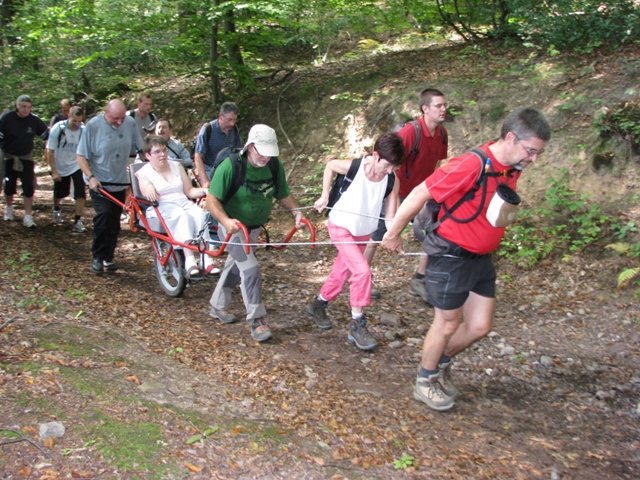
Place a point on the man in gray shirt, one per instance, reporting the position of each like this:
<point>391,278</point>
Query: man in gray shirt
<point>103,155</point>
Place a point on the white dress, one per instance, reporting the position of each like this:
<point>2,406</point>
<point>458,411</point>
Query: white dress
<point>184,218</point>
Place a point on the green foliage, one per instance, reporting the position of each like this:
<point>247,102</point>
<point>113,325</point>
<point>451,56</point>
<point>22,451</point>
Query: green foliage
<point>575,24</point>
<point>405,461</point>
<point>563,222</point>
<point>622,120</point>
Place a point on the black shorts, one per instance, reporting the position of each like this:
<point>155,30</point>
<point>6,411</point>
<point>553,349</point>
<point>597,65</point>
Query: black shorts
<point>27,178</point>
<point>62,188</point>
<point>450,279</point>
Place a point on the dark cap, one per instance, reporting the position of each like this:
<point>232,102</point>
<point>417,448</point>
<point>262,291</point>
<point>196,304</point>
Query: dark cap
<point>24,98</point>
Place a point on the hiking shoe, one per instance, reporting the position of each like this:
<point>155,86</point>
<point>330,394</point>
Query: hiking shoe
<point>109,266</point>
<point>428,390</point>
<point>97,267</point>
<point>375,294</point>
<point>223,316</point>
<point>79,227</point>
<point>260,331</point>
<point>417,288</point>
<point>8,214</point>
<point>57,217</point>
<point>318,310</point>
<point>359,334</point>
<point>444,377</point>
<point>28,222</point>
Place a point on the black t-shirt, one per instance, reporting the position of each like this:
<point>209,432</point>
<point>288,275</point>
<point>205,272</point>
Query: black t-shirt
<point>17,133</point>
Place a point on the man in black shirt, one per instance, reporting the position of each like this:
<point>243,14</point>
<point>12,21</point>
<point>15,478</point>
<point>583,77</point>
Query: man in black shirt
<point>18,128</point>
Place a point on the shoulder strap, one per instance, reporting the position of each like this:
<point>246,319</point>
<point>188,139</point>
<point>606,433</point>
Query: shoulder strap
<point>390,182</point>
<point>207,133</point>
<point>239,172</point>
<point>132,113</point>
<point>274,166</point>
<point>62,134</point>
<point>413,154</point>
<point>152,117</point>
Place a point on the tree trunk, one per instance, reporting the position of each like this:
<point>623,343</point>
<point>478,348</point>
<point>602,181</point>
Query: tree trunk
<point>213,59</point>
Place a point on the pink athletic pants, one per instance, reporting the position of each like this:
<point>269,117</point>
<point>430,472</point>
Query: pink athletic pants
<point>351,265</point>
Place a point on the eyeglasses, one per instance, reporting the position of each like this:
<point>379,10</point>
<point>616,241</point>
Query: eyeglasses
<point>530,151</point>
<point>155,153</point>
<point>440,106</point>
<point>230,120</point>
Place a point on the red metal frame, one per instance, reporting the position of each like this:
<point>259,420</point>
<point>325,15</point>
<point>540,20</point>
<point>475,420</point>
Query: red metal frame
<point>134,209</point>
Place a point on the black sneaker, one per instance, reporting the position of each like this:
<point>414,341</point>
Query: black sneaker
<point>96,266</point>
<point>317,309</point>
<point>359,334</point>
<point>109,266</point>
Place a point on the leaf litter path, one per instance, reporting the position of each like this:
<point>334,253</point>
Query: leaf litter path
<point>553,392</point>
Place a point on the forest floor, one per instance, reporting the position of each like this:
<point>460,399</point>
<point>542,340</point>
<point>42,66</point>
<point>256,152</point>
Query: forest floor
<point>151,387</point>
<point>135,376</point>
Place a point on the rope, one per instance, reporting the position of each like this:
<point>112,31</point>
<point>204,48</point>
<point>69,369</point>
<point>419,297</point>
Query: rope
<point>328,208</point>
<point>300,244</point>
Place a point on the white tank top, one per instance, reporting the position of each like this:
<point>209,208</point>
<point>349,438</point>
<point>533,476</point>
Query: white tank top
<point>358,209</point>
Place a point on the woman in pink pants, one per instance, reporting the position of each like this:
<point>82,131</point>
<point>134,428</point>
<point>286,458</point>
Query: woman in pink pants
<point>352,219</point>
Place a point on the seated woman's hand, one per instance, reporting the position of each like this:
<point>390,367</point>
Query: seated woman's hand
<point>152,194</point>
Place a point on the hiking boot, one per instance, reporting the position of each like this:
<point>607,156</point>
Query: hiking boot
<point>417,288</point>
<point>318,310</point>
<point>96,266</point>
<point>28,222</point>
<point>428,390</point>
<point>445,379</point>
<point>109,266</point>
<point>375,294</point>
<point>79,227</point>
<point>223,316</point>
<point>359,334</point>
<point>260,330</point>
<point>8,214</point>
<point>57,217</point>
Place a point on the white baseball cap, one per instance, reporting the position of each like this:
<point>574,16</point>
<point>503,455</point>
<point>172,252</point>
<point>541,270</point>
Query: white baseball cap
<point>264,139</point>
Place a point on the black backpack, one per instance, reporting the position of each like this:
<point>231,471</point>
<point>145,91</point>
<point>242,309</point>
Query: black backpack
<point>426,221</point>
<point>413,154</point>
<point>342,182</point>
<point>239,164</point>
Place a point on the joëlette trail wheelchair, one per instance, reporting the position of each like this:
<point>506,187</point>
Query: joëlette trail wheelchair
<point>168,252</point>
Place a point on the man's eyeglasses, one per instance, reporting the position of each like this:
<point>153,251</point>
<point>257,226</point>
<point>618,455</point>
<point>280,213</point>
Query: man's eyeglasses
<point>530,151</point>
<point>155,153</point>
<point>440,106</point>
<point>230,120</point>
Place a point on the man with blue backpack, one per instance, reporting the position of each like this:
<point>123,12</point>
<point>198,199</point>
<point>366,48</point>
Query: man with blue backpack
<point>61,156</point>
<point>214,137</point>
<point>476,193</point>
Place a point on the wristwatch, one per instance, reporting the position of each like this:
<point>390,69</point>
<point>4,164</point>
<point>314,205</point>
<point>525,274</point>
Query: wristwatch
<point>91,176</point>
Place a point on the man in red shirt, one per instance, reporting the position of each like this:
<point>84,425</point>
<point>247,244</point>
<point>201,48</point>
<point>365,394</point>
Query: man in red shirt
<point>461,278</point>
<point>417,166</point>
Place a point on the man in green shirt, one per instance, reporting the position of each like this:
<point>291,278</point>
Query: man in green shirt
<point>251,205</point>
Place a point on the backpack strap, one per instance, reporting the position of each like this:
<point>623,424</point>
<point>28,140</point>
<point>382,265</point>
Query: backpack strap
<point>413,154</point>
<point>274,166</point>
<point>390,182</point>
<point>132,113</point>
<point>239,172</point>
<point>63,134</point>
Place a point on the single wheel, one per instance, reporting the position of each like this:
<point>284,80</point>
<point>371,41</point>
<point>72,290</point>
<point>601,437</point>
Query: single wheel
<point>172,276</point>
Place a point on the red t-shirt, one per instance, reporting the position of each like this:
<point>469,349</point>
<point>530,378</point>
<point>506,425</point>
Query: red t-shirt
<point>450,182</point>
<point>431,149</point>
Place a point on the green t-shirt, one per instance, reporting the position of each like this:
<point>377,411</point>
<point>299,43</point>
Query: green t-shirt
<point>253,201</point>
